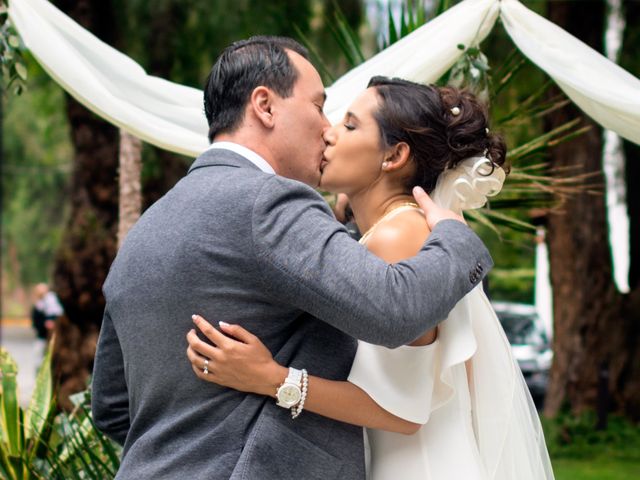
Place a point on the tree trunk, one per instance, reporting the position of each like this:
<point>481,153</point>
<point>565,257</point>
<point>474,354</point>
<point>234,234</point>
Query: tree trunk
<point>630,390</point>
<point>630,61</point>
<point>594,331</point>
<point>129,181</point>
<point>89,245</point>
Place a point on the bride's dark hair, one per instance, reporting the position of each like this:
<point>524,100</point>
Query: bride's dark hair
<point>441,125</point>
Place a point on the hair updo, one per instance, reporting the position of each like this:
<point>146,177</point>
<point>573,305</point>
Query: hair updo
<point>422,117</point>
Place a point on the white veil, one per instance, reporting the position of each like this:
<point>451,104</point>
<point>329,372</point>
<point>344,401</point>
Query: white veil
<point>506,423</point>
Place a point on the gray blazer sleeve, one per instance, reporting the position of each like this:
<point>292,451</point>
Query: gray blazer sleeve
<point>109,397</point>
<point>309,260</point>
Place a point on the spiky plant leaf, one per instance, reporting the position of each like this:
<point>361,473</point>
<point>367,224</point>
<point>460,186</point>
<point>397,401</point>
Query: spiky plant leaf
<point>392,36</point>
<point>441,6</point>
<point>10,413</point>
<point>479,217</point>
<point>42,398</point>
<point>349,37</point>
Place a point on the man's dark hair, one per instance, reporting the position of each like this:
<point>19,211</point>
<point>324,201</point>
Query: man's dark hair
<point>243,66</point>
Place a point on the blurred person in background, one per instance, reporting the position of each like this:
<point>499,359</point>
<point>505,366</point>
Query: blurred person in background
<point>45,312</point>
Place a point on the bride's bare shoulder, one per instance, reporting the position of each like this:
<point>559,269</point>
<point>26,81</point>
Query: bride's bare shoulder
<point>400,237</point>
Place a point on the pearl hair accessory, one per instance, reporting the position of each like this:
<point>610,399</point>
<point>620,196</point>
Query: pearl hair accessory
<point>455,111</point>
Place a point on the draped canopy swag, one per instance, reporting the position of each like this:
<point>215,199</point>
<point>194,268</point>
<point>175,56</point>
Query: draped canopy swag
<point>171,116</point>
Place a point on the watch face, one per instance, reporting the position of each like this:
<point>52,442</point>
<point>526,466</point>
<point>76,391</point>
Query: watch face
<point>289,394</point>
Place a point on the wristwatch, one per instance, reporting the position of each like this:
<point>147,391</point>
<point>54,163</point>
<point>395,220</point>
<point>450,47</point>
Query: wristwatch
<point>290,392</point>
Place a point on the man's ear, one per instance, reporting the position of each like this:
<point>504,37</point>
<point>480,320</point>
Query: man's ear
<point>397,157</point>
<point>260,103</point>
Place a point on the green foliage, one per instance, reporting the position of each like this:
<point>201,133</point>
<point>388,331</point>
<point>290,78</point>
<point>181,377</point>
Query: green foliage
<point>180,39</point>
<point>35,179</point>
<point>334,44</point>
<point>576,437</point>
<point>580,452</point>
<point>37,443</point>
<point>14,71</point>
<point>597,468</point>
<point>23,434</point>
<point>413,14</point>
<point>346,38</point>
<point>471,71</point>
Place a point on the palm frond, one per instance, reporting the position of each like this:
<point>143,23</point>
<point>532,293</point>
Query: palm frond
<point>558,135</point>
<point>346,38</point>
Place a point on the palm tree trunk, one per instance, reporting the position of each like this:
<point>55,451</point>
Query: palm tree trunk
<point>129,181</point>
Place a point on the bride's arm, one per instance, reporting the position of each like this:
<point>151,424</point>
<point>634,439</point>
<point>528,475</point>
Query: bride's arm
<point>245,364</point>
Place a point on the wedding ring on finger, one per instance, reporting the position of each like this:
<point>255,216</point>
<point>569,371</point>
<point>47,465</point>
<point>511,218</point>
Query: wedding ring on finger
<point>205,369</point>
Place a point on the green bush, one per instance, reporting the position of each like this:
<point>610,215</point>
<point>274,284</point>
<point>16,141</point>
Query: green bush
<point>40,443</point>
<point>576,437</point>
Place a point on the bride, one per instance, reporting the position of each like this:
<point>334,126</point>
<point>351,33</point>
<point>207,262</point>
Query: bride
<point>452,404</point>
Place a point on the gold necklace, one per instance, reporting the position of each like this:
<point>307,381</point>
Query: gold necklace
<point>368,233</point>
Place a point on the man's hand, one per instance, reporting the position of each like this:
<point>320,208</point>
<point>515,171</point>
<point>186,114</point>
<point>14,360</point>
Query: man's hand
<point>340,208</point>
<point>433,212</point>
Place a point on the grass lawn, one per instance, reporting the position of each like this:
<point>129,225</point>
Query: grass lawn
<point>596,469</point>
<point>581,452</point>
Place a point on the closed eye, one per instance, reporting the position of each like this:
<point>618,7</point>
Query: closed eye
<point>349,127</point>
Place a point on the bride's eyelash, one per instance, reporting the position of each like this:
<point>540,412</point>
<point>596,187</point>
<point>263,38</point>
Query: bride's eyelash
<point>349,127</point>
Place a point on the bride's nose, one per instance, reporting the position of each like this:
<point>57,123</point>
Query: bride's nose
<point>330,135</point>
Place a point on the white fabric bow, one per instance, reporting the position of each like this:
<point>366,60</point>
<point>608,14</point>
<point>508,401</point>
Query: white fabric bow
<point>469,185</point>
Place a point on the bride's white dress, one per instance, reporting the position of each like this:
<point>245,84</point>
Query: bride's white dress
<point>479,422</point>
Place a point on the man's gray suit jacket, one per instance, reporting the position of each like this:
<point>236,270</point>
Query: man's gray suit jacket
<point>233,243</point>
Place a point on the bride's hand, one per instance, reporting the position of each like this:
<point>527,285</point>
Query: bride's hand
<point>237,359</point>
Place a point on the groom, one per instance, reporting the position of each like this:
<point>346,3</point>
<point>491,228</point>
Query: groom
<point>244,238</point>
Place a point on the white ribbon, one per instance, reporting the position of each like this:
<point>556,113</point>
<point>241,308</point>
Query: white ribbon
<point>469,185</point>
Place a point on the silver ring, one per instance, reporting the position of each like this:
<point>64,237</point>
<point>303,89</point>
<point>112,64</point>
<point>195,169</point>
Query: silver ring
<point>205,370</point>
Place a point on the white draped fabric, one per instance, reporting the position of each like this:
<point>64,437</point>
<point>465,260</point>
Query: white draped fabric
<point>171,116</point>
<point>108,82</point>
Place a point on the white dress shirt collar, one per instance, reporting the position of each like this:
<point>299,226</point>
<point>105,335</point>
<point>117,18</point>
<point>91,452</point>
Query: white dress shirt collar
<point>250,155</point>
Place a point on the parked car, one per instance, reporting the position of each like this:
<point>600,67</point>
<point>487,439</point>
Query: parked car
<point>530,344</point>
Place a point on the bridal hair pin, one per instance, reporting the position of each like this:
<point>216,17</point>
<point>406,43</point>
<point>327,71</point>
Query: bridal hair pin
<point>455,111</point>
